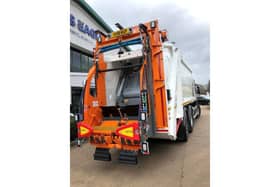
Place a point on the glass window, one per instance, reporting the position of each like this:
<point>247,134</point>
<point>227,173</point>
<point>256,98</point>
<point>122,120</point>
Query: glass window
<point>75,99</point>
<point>84,63</point>
<point>90,62</point>
<point>75,62</point>
<point>71,59</point>
<point>80,62</point>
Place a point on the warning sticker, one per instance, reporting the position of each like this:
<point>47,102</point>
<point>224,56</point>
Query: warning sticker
<point>83,130</point>
<point>127,132</point>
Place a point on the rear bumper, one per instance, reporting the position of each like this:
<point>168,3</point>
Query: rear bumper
<point>108,135</point>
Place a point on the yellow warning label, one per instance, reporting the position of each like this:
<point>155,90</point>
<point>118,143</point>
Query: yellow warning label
<point>83,130</point>
<point>127,132</point>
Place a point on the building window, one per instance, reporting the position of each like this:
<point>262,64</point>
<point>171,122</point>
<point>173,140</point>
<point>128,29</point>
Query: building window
<point>76,61</point>
<point>75,99</point>
<point>90,62</point>
<point>84,63</point>
<point>80,62</point>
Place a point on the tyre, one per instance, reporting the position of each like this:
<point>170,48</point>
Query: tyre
<point>183,131</point>
<point>198,111</point>
<point>190,120</point>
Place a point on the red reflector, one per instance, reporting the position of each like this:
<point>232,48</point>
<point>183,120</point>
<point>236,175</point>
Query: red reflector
<point>130,131</point>
<point>84,130</point>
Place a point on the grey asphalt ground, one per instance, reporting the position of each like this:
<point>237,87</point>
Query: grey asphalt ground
<point>171,164</point>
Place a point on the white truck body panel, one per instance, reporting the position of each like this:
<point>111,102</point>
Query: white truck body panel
<point>178,79</point>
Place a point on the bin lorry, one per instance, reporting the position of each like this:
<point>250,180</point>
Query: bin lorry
<point>132,96</point>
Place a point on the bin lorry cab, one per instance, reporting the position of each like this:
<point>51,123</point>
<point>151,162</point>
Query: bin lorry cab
<point>132,96</point>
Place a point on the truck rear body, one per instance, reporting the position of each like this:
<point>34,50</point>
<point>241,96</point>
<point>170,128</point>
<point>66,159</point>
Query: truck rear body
<point>132,96</point>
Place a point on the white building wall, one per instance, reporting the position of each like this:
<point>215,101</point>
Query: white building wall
<point>84,41</point>
<point>77,37</point>
<point>77,79</point>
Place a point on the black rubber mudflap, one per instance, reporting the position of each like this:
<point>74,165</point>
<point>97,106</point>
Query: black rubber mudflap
<point>128,157</point>
<point>102,154</point>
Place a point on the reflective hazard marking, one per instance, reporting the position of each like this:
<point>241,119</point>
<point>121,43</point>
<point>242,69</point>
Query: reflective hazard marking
<point>83,130</point>
<point>127,132</point>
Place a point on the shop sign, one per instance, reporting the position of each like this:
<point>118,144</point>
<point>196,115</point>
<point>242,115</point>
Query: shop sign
<point>82,27</point>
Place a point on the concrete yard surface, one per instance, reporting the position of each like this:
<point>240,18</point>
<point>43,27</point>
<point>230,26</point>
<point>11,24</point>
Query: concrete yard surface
<point>171,164</point>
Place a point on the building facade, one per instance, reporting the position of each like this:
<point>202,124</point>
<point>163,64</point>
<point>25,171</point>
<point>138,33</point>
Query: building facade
<point>84,21</point>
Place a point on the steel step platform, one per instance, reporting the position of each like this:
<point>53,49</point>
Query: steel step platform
<point>128,157</point>
<point>102,154</point>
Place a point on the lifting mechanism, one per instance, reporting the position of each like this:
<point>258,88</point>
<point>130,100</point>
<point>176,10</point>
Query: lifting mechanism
<point>126,110</point>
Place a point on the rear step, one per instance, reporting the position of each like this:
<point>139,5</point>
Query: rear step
<point>102,154</point>
<point>128,157</point>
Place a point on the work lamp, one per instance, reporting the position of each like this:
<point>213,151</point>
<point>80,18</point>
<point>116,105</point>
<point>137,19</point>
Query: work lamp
<point>153,24</point>
<point>99,39</point>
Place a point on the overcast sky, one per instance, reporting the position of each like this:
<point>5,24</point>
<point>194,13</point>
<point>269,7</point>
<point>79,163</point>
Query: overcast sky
<point>187,24</point>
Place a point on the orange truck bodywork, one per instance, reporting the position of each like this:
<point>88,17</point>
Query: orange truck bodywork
<point>103,133</point>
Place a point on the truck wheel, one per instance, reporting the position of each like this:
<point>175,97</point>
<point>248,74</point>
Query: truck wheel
<point>190,118</point>
<point>199,112</point>
<point>183,131</point>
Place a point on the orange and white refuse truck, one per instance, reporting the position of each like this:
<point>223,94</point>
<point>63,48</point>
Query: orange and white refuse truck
<point>132,96</point>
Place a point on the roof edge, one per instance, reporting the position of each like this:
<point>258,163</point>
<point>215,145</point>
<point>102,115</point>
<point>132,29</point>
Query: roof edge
<point>94,15</point>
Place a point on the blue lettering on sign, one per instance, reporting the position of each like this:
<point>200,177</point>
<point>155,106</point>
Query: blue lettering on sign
<point>72,20</point>
<point>92,33</point>
<point>84,28</point>
<point>80,25</point>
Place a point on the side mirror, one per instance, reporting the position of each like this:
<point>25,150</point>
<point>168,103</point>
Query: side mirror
<point>197,90</point>
<point>168,95</point>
